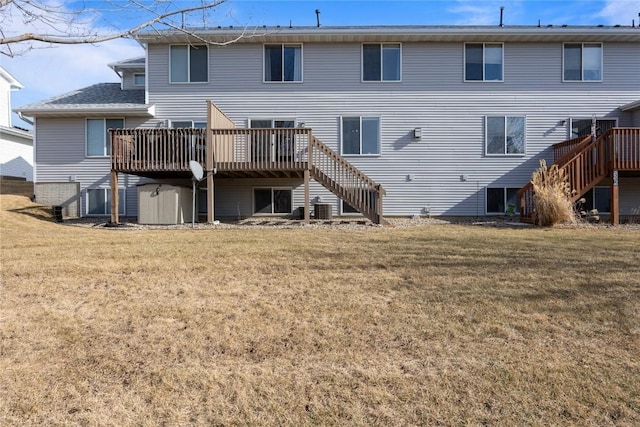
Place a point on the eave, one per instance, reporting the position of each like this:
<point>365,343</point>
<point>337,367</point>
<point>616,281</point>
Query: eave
<point>632,106</point>
<point>26,136</point>
<point>406,34</point>
<point>148,111</point>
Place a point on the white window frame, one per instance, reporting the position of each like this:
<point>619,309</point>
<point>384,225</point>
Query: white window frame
<point>105,146</point>
<point>193,123</point>
<point>253,201</point>
<point>144,75</point>
<point>189,82</point>
<point>582,80</point>
<point>382,80</point>
<point>505,200</point>
<point>504,153</point>
<point>282,46</point>
<point>483,80</point>
<point>121,200</point>
<point>378,154</point>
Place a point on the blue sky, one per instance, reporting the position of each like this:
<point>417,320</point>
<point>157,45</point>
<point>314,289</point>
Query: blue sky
<point>47,72</point>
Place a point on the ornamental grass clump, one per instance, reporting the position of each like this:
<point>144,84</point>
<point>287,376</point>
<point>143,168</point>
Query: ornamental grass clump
<point>552,195</point>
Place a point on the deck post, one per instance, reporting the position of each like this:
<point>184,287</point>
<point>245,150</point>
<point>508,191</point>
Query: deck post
<point>379,204</point>
<point>306,196</point>
<point>114,197</point>
<point>307,174</point>
<point>210,165</point>
<point>615,201</point>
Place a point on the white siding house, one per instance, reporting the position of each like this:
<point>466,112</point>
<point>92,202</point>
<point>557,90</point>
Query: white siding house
<point>16,144</point>
<point>449,120</point>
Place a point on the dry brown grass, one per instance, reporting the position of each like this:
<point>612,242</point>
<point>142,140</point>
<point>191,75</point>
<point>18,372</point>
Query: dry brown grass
<point>552,195</point>
<point>437,325</point>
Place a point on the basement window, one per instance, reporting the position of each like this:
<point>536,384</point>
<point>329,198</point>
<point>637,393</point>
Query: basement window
<point>272,201</point>
<point>99,201</point>
<point>501,201</point>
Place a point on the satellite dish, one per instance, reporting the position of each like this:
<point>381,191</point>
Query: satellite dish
<point>198,174</point>
<point>196,170</point>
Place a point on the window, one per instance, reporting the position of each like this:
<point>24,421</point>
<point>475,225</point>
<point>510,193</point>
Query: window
<point>502,201</point>
<point>582,127</point>
<point>139,79</point>
<point>189,64</point>
<point>283,63</point>
<point>360,135</point>
<point>597,198</point>
<point>272,201</point>
<point>505,135</point>
<point>98,141</point>
<point>99,201</point>
<point>188,124</point>
<point>483,62</point>
<point>582,62</point>
<point>381,62</point>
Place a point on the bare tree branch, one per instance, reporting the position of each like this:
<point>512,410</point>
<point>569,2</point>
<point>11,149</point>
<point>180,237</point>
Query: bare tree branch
<point>64,23</point>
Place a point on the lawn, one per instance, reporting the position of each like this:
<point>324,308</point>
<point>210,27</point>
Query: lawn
<point>431,325</point>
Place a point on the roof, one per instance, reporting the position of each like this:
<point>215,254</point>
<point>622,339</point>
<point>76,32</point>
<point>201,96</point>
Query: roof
<point>411,33</point>
<point>13,83</point>
<point>101,99</point>
<point>632,106</point>
<point>132,64</point>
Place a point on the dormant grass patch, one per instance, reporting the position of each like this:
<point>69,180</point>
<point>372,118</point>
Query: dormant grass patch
<point>433,325</point>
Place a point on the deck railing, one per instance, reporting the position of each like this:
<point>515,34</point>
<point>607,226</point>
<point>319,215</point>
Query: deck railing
<point>156,150</point>
<point>346,181</point>
<point>260,149</point>
<point>565,149</point>
<point>625,148</point>
<point>587,163</point>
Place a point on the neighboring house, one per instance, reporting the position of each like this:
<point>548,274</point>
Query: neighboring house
<point>439,120</point>
<point>16,144</point>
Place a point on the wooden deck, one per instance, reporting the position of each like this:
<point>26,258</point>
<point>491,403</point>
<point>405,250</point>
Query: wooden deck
<point>587,161</point>
<point>243,153</point>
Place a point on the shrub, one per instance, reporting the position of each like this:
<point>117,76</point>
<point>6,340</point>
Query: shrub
<point>552,195</point>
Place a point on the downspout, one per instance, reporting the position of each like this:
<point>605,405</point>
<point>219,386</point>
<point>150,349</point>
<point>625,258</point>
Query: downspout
<point>24,119</point>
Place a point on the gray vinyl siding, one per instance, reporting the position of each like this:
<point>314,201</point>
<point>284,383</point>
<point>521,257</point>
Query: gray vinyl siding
<point>432,95</point>
<point>60,157</point>
<point>128,81</point>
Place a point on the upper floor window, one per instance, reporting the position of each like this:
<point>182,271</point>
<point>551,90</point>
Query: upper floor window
<point>505,135</point>
<point>98,141</point>
<point>582,62</point>
<point>189,64</point>
<point>139,79</point>
<point>283,63</point>
<point>360,135</point>
<point>381,62</point>
<point>483,62</point>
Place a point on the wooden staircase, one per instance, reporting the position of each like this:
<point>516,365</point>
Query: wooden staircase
<point>344,180</point>
<point>587,161</point>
